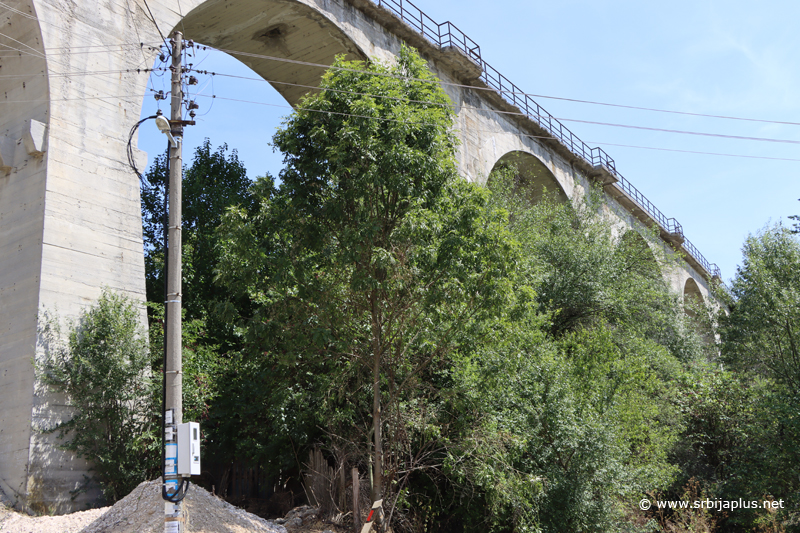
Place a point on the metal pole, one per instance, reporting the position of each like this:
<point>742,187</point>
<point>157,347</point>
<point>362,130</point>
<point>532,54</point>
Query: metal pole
<point>174,395</point>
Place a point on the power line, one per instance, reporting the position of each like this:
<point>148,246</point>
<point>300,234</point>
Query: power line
<point>35,51</point>
<point>489,89</point>
<point>78,73</point>
<point>657,110</point>
<point>111,45</point>
<point>125,97</point>
<point>525,135</point>
<point>15,10</point>
<point>86,73</point>
<point>532,95</point>
<point>515,113</point>
<point>696,152</point>
<point>153,19</point>
<point>682,132</point>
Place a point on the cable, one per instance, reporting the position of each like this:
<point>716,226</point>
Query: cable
<point>131,158</point>
<point>112,97</point>
<point>515,113</point>
<point>135,27</point>
<point>153,19</point>
<point>705,134</point>
<point>493,132</point>
<point>682,132</point>
<point>697,152</point>
<point>35,51</point>
<point>70,47</point>
<point>531,95</point>
<point>79,73</point>
<point>656,110</point>
<point>477,88</point>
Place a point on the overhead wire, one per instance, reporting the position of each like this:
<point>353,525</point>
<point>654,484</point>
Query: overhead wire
<point>79,73</point>
<point>494,132</point>
<point>658,110</point>
<point>477,88</point>
<point>515,113</point>
<point>695,152</point>
<point>153,20</point>
<point>38,53</point>
<point>681,132</point>
<point>34,50</point>
<point>442,82</point>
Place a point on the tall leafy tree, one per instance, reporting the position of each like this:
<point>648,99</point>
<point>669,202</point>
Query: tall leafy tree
<point>762,331</point>
<point>214,181</point>
<point>373,254</point>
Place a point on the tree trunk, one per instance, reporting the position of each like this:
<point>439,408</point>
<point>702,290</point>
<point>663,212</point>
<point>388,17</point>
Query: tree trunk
<point>377,489</point>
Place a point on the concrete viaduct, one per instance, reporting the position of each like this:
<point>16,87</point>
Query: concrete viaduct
<point>70,219</point>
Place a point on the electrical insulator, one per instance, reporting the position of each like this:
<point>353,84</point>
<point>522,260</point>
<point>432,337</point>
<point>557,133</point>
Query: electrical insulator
<point>160,95</point>
<point>193,105</point>
<point>162,58</point>
<point>192,80</point>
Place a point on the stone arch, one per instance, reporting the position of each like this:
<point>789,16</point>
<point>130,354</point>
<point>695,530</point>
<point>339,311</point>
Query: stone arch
<point>692,297</point>
<point>533,177</point>
<point>634,249</point>
<point>283,29</point>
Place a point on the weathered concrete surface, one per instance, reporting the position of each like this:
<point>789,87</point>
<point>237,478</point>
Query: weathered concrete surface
<point>69,204</point>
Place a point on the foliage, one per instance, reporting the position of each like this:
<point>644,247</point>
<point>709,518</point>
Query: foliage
<point>743,435</point>
<point>761,331</point>
<point>200,363</point>
<point>215,181</point>
<point>371,263</point>
<point>102,368</point>
<point>495,360</point>
<point>571,399</point>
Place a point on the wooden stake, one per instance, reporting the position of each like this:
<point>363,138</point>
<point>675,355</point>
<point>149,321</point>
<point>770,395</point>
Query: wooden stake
<point>356,509</point>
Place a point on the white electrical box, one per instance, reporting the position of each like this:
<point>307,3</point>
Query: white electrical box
<point>189,449</point>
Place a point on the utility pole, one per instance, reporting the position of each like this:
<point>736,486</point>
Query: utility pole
<point>173,482</point>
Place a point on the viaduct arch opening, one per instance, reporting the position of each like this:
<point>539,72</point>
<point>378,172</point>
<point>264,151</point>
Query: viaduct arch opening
<point>692,297</point>
<point>635,251</point>
<point>532,179</point>
<point>282,29</point>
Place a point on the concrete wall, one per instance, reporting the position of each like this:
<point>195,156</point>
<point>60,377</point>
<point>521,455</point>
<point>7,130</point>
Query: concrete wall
<point>70,216</point>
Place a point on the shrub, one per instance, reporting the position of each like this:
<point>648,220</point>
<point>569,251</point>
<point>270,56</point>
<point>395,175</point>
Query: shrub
<point>103,369</point>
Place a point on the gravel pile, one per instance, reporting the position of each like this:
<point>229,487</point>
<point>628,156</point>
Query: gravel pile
<point>142,511</point>
<point>11,522</point>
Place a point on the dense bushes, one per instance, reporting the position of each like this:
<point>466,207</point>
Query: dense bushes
<point>489,364</point>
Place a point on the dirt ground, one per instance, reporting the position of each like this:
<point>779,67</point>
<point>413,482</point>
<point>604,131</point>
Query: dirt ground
<point>142,511</point>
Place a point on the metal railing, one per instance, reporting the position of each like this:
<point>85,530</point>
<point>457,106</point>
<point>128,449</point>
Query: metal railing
<point>711,268</point>
<point>669,224</point>
<point>447,34</point>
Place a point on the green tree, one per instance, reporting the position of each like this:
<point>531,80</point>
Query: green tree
<point>373,254</point>
<point>571,401</point>
<point>751,429</point>
<point>215,181</point>
<point>761,331</point>
<point>103,369</point>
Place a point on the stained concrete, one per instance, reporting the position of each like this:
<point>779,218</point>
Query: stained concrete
<point>70,220</point>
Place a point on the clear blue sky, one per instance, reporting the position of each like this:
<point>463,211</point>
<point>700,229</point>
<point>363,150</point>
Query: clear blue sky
<point>719,57</point>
